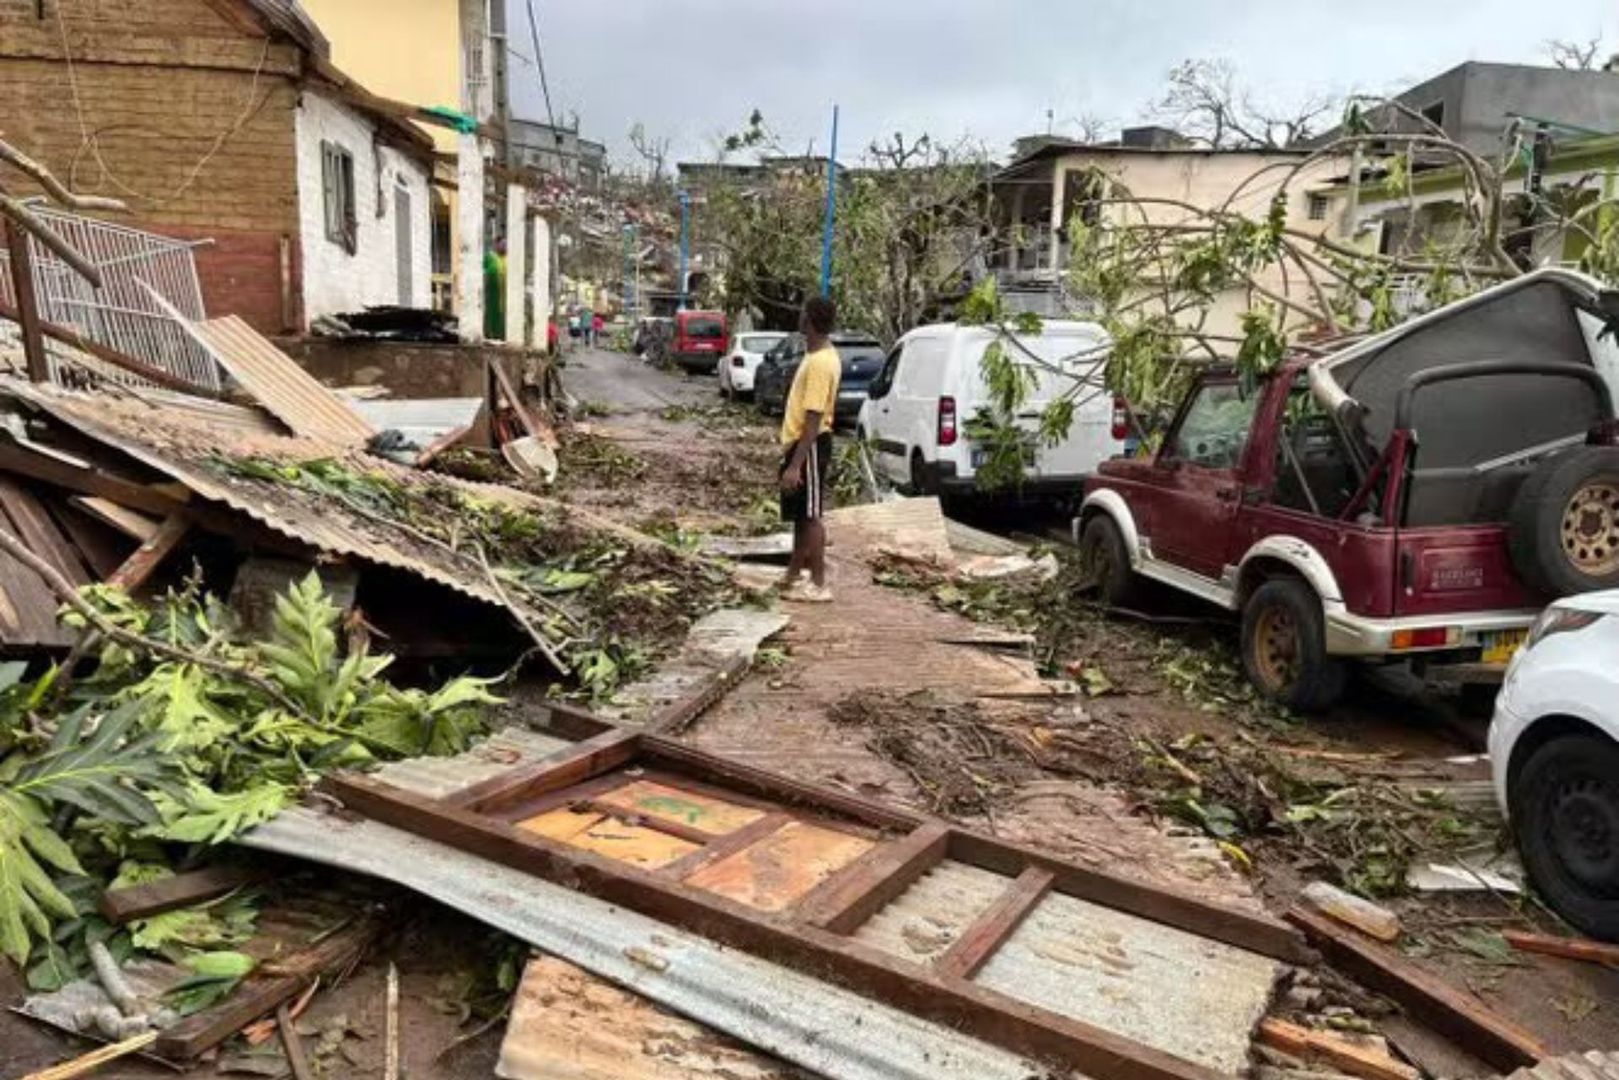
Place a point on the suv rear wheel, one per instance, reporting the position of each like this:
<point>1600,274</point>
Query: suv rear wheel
<point>1565,811</point>
<point>1284,647</point>
<point>1564,531</point>
<point>1104,562</point>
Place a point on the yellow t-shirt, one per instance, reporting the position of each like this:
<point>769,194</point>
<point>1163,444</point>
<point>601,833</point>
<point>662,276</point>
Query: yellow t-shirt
<point>815,389</point>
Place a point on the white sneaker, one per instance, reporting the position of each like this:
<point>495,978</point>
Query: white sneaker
<point>807,592</point>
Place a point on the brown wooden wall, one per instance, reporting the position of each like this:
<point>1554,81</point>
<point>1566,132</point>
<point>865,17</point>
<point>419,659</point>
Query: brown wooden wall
<point>183,109</point>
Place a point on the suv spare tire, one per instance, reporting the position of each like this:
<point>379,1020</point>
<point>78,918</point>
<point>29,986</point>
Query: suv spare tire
<point>1564,527</point>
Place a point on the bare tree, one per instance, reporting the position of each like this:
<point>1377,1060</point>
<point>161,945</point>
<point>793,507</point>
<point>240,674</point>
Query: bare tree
<point>1575,55</point>
<point>1207,102</point>
<point>653,152</point>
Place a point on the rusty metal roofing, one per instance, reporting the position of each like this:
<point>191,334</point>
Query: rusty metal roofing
<point>1591,1065</point>
<point>180,447</point>
<point>290,393</point>
<point>830,1031</point>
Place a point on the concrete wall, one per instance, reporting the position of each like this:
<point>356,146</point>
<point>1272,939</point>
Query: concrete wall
<point>1586,99</point>
<point>407,370</point>
<point>334,280</point>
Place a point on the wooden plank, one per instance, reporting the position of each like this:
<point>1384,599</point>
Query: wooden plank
<point>131,523</point>
<point>102,547</point>
<point>574,722</point>
<point>1160,903</point>
<point>139,567</point>
<point>35,528</point>
<point>504,381</point>
<point>89,481</point>
<point>530,806</point>
<point>264,990</point>
<point>1301,1042</point>
<point>847,900</point>
<point>985,1014</point>
<point>293,1044</point>
<point>660,751</point>
<point>118,906</point>
<point>1487,1035</point>
<point>648,821</point>
<point>22,285</point>
<point>726,846</point>
<point>591,758</point>
<point>1594,952</point>
<point>1000,921</point>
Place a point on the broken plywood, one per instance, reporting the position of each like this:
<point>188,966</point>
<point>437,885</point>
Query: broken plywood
<point>914,528</point>
<point>567,1024</point>
<point>781,869</point>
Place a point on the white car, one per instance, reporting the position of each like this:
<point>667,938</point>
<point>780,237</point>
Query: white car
<point>1554,751</point>
<point>917,409</point>
<point>740,364</point>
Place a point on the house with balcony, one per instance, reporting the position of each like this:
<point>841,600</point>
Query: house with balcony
<point>1036,197</point>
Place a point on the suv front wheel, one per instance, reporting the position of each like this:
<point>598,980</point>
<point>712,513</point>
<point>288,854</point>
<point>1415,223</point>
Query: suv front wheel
<point>1284,647</point>
<point>1104,562</point>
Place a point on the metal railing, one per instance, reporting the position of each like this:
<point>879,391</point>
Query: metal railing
<point>121,314</point>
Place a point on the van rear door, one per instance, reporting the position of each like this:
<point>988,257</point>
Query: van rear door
<point>1078,355</point>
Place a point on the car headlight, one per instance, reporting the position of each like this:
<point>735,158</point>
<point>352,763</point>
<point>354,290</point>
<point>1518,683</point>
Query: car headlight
<point>1558,620</point>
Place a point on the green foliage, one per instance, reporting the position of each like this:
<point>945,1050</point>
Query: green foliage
<point>214,976</point>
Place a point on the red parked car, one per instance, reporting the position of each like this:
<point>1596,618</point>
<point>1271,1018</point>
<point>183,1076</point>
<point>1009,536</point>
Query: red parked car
<point>701,338</point>
<point>1417,495</point>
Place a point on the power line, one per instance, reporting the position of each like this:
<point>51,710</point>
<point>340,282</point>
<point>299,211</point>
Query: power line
<point>539,62</point>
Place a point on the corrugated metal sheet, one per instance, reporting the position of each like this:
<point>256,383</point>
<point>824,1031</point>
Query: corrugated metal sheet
<point>827,1030</point>
<point>439,777</point>
<point>421,420</point>
<point>240,420</point>
<point>1191,996</point>
<point>1591,1065</point>
<point>179,447</point>
<point>567,1023</point>
<point>928,917</point>
<point>292,395</point>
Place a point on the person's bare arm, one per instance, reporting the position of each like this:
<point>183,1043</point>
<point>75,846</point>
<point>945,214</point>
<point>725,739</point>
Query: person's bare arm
<point>793,478</point>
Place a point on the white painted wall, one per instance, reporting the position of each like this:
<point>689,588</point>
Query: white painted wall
<point>335,281</point>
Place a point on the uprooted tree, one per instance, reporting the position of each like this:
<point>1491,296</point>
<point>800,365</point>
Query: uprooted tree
<point>1153,271</point>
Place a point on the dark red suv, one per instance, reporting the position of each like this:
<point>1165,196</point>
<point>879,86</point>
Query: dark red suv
<point>1417,495</point>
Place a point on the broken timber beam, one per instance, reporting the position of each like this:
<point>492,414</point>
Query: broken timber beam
<point>263,991</point>
<point>846,900</point>
<point>991,929</point>
<point>27,311</point>
<point>1593,952</point>
<point>703,695</point>
<point>986,1014</point>
<point>596,755</point>
<point>139,567</point>
<point>119,906</point>
<point>1303,1043</point>
<point>1485,1034</point>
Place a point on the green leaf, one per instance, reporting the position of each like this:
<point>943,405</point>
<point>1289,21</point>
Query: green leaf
<point>220,965</point>
<point>209,817</point>
<point>52,969</point>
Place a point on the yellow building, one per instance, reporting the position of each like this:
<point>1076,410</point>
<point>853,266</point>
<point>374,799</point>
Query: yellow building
<point>410,51</point>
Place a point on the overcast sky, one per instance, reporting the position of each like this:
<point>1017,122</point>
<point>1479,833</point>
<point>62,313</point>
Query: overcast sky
<point>988,69</point>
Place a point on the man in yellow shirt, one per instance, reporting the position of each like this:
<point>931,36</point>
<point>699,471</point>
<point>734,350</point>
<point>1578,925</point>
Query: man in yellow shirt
<point>806,439</point>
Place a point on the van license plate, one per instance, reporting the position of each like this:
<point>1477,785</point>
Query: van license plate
<point>980,457</point>
<point>1501,645</point>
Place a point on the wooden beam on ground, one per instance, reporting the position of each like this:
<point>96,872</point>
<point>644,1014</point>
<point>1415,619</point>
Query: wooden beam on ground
<point>1487,1035</point>
<point>135,525</point>
<point>574,722</point>
<point>599,754</point>
<point>22,284</point>
<point>1161,903</point>
<point>113,358</point>
<point>999,922</point>
<point>139,567</point>
<point>1594,952</point>
<point>847,899</point>
<point>119,906</point>
<point>293,1044</point>
<point>263,991</point>
<point>1340,1053</point>
<point>88,481</point>
<point>965,1006</point>
<point>497,371</point>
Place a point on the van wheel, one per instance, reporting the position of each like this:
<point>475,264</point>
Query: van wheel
<point>921,482</point>
<point>1284,647</point>
<point>1104,562</point>
<point>1564,526</point>
<point>1565,812</point>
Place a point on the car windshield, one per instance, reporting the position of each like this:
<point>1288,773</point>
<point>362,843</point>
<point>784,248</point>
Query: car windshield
<point>758,343</point>
<point>705,329</point>
<point>867,359</point>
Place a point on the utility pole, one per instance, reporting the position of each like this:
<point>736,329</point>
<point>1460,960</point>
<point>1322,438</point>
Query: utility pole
<point>685,242</point>
<point>831,209</point>
<point>632,259</point>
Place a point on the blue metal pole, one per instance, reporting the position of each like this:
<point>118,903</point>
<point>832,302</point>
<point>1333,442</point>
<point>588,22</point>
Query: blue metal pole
<point>831,209</point>
<point>685,243</point>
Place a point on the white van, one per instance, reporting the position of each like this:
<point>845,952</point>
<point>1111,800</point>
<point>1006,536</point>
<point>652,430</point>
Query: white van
<point>915,419</point>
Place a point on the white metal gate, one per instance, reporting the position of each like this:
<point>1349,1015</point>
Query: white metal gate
<point>121,314</point>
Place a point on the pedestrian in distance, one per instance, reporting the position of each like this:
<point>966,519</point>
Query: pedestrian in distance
<point>597,324</point>
<point>806,439</point>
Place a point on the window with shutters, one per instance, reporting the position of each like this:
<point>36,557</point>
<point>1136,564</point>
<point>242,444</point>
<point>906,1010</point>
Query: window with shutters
<point>337,188</point>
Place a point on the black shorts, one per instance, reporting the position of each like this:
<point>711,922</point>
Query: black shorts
<point>808,501</point>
